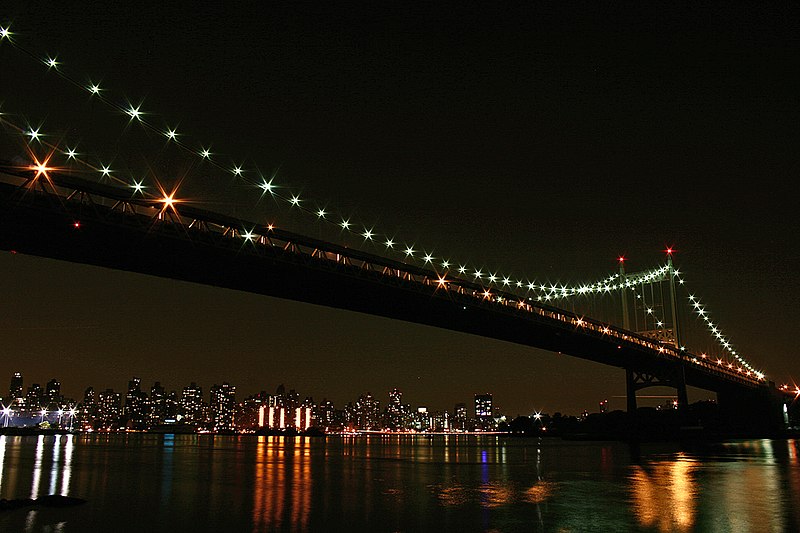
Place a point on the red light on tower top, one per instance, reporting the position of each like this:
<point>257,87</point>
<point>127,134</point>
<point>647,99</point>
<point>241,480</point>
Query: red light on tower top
<point>669,251</point>
<point>621,259</point>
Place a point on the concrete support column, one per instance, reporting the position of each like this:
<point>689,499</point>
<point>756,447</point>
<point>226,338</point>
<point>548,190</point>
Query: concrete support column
<point>631,391</point>
<point>680,384</point>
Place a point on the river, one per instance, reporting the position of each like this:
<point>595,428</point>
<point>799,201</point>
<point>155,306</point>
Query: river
<point>198,483</point>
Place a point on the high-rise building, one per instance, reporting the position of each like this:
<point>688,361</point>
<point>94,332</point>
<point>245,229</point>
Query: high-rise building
<point>171,407</point>
<point>157,407</point>
<point>251,413</point>
<point>286,411</point>
<point>422,419</point>
<point>394,418</point>
<point>304,414</point>
<point>88,408</point>
<point>367,412</point>
<point>326,414</point>
<point>15,390</point>
<point>483,411</point>
<point>136,405</point>
<point>109,409</point>
<point>191,406</point>
<point>440,421</point>
<point>349,416</point>
<point>53,394</point>
<point>223,402</point>
<point>34,398</point>
<point>460,417</point>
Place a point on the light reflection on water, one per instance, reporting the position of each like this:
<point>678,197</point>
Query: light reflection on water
<point>673,481</point>
<point>398,483</point>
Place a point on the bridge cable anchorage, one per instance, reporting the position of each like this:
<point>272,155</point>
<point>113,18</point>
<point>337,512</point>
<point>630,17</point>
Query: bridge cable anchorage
<point>135,113</point>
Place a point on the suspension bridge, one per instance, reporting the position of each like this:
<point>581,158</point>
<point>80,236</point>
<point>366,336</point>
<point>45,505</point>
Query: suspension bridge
<point>56,203</point>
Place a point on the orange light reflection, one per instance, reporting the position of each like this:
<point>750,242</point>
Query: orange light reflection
<point>673,481</point>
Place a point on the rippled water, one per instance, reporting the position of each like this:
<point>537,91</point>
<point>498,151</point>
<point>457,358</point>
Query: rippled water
<point>398,483</point>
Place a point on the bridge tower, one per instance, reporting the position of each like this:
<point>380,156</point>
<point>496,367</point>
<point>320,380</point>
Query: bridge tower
<point>645,311</point>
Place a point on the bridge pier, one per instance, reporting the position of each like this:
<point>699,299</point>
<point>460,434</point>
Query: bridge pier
<point>631,391</point>
<point>674,377</point>
<point>756,412</point>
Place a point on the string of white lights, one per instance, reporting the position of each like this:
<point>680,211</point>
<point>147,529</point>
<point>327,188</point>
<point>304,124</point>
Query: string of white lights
<point>725,343</point>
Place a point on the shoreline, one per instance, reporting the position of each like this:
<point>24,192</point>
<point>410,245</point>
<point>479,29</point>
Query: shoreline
<point>684,436</point>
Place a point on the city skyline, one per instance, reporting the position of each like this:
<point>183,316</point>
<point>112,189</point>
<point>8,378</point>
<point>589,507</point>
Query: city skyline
<point>170,411</point>
<point>515,161</point>
<point>24,387</point>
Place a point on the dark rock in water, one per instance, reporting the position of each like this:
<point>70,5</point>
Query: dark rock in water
<point>7,505</point>
<point>53,500</point>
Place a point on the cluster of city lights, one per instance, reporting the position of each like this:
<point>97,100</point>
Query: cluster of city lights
<point>7,412</point>
<point>368,234</point>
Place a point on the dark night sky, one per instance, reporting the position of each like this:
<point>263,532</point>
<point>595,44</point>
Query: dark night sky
<point>540,140</point>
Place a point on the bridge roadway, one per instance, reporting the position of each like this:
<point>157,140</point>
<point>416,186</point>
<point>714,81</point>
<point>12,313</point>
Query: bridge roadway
<point>65,217</point>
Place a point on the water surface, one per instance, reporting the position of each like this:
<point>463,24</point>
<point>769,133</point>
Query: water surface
<point>142,482</point>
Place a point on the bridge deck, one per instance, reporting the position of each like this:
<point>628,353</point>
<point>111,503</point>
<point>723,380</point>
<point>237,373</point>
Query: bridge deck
<point>142,235</point>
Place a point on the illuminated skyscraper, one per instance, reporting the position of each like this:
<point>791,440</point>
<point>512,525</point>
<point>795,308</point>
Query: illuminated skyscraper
<point>422,419</point>
<point>394,411</point>
<point>460,417</point>
<point>109,409</point>
<point>223,403</point>
<point>157,406</point>
<point>249,413</point>
<point>171,407</point>
<point>367,412</point>
<point>483,411</point>
<point>326,414</point>
<point>53,394</point>
<point>34,398</point>
<point>15,391</point>
<point>88,407</point>
<point>191,405</point>
<point>136,405</point>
